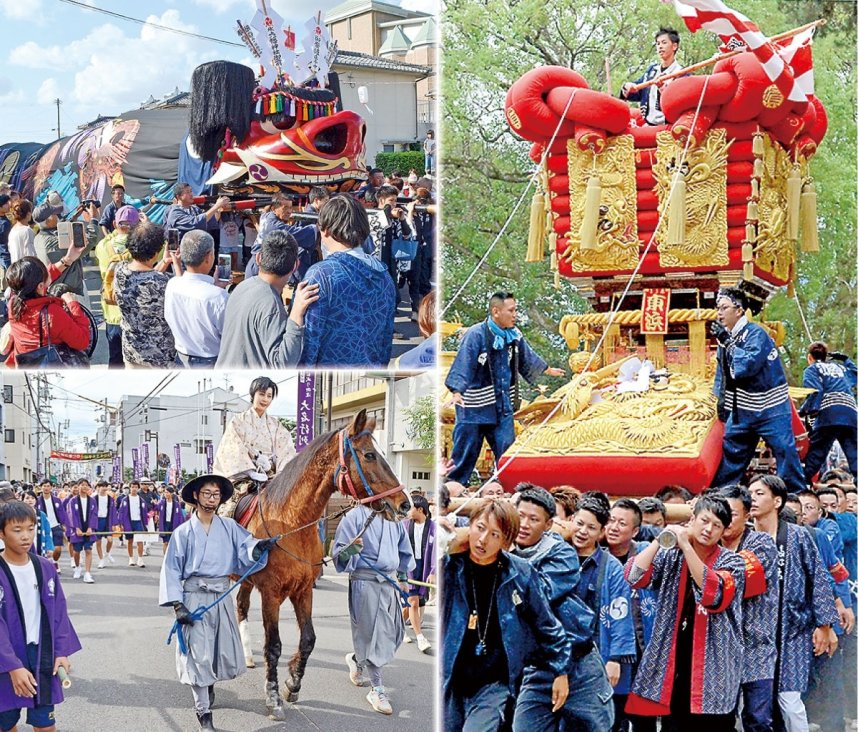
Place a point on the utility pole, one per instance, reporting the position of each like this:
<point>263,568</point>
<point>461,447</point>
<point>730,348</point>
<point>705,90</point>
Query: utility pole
<point>58,102</point>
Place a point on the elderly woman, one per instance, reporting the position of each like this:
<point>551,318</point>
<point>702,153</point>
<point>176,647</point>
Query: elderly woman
<point>140,284</point>
<point>35,318</point>
<point>255,446</point>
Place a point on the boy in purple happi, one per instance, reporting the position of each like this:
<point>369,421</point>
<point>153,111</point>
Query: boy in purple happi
<point>82,514</point>
<point>36,635</point>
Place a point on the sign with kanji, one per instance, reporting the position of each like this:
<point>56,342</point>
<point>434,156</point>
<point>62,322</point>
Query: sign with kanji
<point>135,460</point>
<point>209,457</point>
<point>177,451</point>
<point>654,309</point>
<point>306,420</point>
<point>59,455</point>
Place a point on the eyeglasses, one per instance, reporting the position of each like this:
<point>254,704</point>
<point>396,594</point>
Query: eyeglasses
<point>724,308</point>
<point>209,494</point>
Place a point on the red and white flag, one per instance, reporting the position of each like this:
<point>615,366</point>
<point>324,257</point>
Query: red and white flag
<point>737,30</point>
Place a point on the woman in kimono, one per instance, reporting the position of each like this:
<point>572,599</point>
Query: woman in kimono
<point>255,446</point>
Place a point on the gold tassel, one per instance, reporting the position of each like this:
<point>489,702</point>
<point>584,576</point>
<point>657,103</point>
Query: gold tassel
<point>590,221</point>
<point>750,232</point>
<point>536,235</point>
<point>676,211</point>
<point>753,211</point>
<point>755,188</point>
<point>757,146</point>
<point>554,264</point>
<point>747,260</point>
<point>793,202</point>
<point>809,226</point>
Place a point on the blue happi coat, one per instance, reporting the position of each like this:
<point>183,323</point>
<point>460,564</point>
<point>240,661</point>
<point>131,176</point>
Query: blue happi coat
<point>717,655</point>
<point>837,574</point>
<point>808,602</point>
<point>833,402</point>
<point>57,638</point>
<point>644,601</point>
<point>759,605</point>
<point>483,375</point>
<point>616,637</point>
<point>749,379</point>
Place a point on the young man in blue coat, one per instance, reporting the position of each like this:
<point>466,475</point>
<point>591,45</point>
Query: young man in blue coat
<point>483,381</point>
<point>666,45</point>
<point>753,396</point>
<point>831,408</point>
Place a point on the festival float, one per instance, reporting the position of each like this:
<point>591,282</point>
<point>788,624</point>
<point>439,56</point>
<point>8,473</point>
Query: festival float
<point>281,128</point>
<point>648,222</point>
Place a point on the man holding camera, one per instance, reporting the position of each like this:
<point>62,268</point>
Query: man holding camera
<point>753,397</point>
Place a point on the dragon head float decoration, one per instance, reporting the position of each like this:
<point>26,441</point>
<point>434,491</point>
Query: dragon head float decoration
<point>271,131</point>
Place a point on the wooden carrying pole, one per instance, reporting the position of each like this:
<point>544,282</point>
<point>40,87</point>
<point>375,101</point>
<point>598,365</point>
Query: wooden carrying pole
<point>721,56</point>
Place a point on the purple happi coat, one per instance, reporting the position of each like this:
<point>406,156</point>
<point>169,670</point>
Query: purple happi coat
<point>428,553</point>
<point>177,518</point>
<point>59,508</point>
<point>76,519</point>
<point>808,602</point>
<point>716,659</point>
<point>125,511</point>
<point>58,637</point>
<point>112,512</point>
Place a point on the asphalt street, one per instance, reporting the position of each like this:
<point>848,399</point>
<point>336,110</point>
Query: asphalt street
<point>125,676</point>
<point>402,323</point>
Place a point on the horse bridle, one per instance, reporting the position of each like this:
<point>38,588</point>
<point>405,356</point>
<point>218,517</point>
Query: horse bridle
<point>343,479</point>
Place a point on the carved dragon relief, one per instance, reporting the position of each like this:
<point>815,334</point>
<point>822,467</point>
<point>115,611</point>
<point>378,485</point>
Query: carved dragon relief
<point>706,210</point>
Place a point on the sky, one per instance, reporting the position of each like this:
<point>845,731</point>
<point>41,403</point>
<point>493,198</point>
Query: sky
<point>97,64</point>
<point>69,386</point>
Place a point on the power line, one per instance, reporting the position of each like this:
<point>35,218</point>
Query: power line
<point>85,6</point>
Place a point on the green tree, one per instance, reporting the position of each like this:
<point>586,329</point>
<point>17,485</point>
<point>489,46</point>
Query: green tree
<point>490,44</point>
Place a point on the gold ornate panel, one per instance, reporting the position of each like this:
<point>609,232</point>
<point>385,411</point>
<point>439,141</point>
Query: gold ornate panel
<point>617,243</point>
<point>705,200</point>
<point>773,252</point>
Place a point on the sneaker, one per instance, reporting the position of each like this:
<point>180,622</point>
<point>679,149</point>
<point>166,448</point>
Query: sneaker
<point>423,644</point>
<point>355,672</point>
<point>111,559</point>
<point>132,562</point>
<point>77,571</point>
<point>378,700</point>
<point>87,577</point>
<point>407,639</point>
<point>71,563</point>
<point>140,562</point>
<point>101,564</point>
<point>145,550</point>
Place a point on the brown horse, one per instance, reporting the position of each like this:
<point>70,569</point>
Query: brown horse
<point>292,504</point>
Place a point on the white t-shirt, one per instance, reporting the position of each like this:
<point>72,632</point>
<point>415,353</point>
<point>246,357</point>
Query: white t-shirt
<point>103,506</point>
<point>28,591</point>
<point>134,507</point>
<point>418,539</point>
<point>50,513</point>
<point>84,508</point>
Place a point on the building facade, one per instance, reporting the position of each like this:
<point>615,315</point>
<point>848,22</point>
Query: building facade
<point>18,419</point>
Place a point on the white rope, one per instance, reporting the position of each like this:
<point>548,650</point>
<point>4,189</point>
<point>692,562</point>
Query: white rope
<point>512,214</point>
<point>497,472</point>
<point>801,312</point>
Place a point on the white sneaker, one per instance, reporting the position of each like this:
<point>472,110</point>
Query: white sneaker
<point>423,644</point>
<point>378,700</point>
<point>407,639</point>
<point>87,577</point>
<point>71,563</point>
<point>101,564</point>
<point>132,562</point>
<point>145,550</point>
<point>77,571</point>
<point>140,562</point>
<point>111,559</point>
<point>355,672</point>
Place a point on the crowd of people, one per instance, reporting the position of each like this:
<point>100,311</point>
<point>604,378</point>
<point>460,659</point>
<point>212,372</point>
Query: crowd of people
<point>562,610</point>
<point>219,288</point>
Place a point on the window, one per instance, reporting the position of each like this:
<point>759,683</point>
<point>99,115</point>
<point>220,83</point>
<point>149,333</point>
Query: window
<point>7,394</point>
<point>9,436</point>
<point>205,419</point>
<point>200,446</point>
<point>419,475</point>
<point>388,147</point>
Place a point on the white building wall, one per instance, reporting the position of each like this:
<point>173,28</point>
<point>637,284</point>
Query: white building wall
<point>18,416</point>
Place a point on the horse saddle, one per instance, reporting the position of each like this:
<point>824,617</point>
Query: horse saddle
<point>245,507</point>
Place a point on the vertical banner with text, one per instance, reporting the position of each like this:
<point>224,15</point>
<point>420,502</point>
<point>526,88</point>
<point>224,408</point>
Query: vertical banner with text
<point>306,419</point>
<point>135,459</point>
<point>209,456</point>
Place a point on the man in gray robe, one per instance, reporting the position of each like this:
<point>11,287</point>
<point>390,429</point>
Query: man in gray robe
<point>202,554</point>
<point>372,550</point>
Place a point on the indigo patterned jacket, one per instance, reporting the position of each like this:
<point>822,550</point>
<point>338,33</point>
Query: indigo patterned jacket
<point>531,634</point>
<point>483,376</point>
<point>749,380</point>
<point>808,602</point>
<point>833,403</point>
<point>717,655</point>
<point>760,605</point>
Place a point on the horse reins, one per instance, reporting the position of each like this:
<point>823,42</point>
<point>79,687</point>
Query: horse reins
<point>344,484</point>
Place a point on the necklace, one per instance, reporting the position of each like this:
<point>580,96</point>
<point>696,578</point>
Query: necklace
<point>474,619</point>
